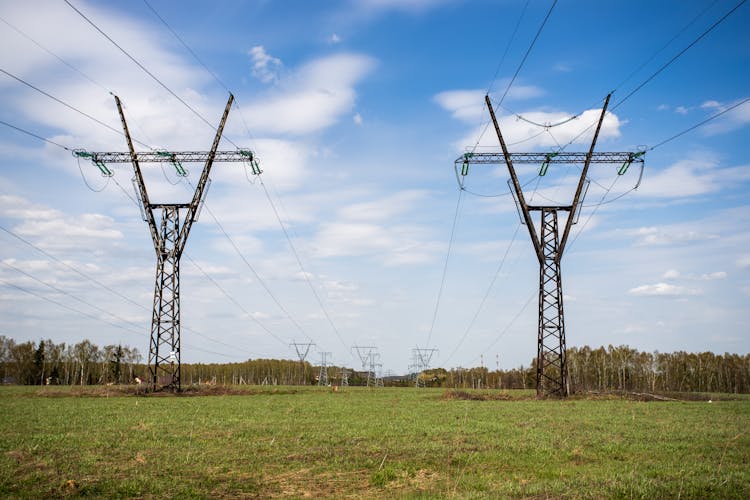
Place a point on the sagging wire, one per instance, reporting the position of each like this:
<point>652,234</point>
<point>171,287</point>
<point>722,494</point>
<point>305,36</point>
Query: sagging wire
<point>252,165</point>
<point>103,169</point>
<point>486,296</point>
<point>181,172</point>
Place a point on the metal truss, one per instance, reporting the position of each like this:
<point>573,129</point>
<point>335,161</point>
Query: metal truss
<point>551,369</point>
<point>551,376</point>
<point>169,224</point>
<point>550,158</point>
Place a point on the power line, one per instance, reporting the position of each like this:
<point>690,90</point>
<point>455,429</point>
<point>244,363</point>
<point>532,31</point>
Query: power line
<point>680,32</point>
<point>70,295</point>
<point>700,124</point>
<point>141,66</point>
<point>73,108</point>
<point>69,106</point>
<point>528,51</point>
<point>32,134</point>
<point>302,268</point>
<point>518,69</point>
<point>234,301</point>
<point>445,266</point>
<point>64,306</point>
<point>255,273</point>
<point>680,53</point>
<point>192,53</point>
<point>92,279</point>
<point>68,266</point>
<point>486,296</point>
<point>507,47</point>
<point>66,63</point>
<point>77,311</point>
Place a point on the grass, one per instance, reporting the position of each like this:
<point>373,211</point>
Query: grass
<point>360,443</point>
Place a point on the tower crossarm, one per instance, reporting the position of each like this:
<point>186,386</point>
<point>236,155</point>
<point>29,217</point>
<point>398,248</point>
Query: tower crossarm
<point>563,158</point>
<point>148,157</point>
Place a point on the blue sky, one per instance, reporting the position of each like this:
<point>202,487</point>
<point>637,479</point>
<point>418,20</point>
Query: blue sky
<point>357,110</point>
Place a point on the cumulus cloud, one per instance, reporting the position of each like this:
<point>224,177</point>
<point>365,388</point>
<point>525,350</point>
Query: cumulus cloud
<point>265,67</point>
<point>53,229</point>
<point>655,236</point>
<point>663,289</point>
<point>691,177</point>
<point>468,106</point>
<point>673,275</point>
<point>729,121</point>
<point>312,97</point>
<point>404,5</point>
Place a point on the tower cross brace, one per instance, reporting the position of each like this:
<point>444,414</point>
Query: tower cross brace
<point>169,225</point>
<point>551,362</point>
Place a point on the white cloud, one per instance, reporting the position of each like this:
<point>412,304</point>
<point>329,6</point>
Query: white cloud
<point>468,106</point>
<point>334,39</point>
<point>663,289</point>
<point>673,274</point>
<point>357,119</point>
<point>693,177</point>
<point>404,5</point>
<point>743,262</point>
<point>265,67</point>
<point>311,98</point>
<point>654,236</point>
<point>54,229</point>
<point>729,121</point>
<point>384,208</point>
<point>682,110</point>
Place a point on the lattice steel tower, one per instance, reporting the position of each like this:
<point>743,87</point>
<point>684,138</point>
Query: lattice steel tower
<point>170,225</point>
<point>551,363</point>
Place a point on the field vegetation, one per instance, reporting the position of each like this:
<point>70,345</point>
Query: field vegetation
<point>355,442</point>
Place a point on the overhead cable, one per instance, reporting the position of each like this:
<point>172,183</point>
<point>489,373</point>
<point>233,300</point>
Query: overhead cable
<point>680,53</point>
<point>302,268</point>
<point>145,70</point>
<point>445,267</point>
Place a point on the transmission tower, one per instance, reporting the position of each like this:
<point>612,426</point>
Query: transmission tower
<point>366,356</point>
<point>302,349</point>
<point>421,358</point>
<point>323,375</point>
<point>169,224</point>
<point>551,367</point>
<point>344,375</point>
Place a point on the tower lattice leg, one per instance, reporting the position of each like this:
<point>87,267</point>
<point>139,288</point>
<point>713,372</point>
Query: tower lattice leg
<point>164,351</point>
<point>551,370</point>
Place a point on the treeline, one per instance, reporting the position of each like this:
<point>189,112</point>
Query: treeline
<point>267,372</point>
<point>84,363</point>
<point>611,368</point>
<point>617,368</point>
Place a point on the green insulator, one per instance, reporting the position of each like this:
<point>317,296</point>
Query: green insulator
<point>106,172</point>
<point>543,169</point>
<point>465,168</point>
<point>180,170</point>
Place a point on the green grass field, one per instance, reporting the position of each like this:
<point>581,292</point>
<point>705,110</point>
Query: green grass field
<point>366,443</point>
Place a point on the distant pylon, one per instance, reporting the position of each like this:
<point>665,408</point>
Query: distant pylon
<point>302,349</point>
<point>323,374</point>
